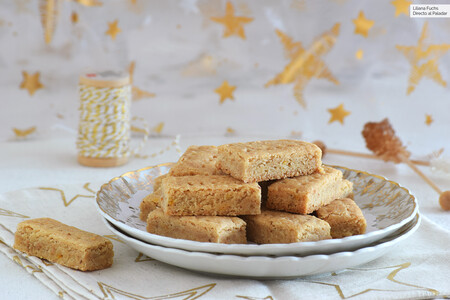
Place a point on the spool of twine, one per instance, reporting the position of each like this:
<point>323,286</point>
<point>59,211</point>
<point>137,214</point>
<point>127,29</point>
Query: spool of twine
<point>104,124</point>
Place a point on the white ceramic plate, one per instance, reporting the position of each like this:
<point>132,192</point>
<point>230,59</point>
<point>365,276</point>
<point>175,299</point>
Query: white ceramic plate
<point>265,266</point>
<point>385,204</point>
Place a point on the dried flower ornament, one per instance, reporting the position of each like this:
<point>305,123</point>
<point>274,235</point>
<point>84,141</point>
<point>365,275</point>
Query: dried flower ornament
<point>381,139</point>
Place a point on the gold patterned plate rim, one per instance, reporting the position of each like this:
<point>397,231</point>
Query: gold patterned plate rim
<point>386,205</point>
<point>268,267</point>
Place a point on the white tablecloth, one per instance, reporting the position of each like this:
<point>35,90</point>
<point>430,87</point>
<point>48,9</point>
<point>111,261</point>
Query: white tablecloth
<point>34,163</point>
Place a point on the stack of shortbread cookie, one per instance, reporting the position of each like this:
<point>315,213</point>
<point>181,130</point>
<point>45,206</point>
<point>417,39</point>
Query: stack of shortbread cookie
<point>263,192</point>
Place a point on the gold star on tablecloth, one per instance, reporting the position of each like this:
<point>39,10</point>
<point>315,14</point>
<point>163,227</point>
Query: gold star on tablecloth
<point>74,17</point>
<point>338,114</point>
<point>113,29</point>
<point>234,25</point>
<point>23,133</point>
<point>359,54</point>
<point>111,292</point>
<point>362,25</point>
<point>131,68</point>
<point>139,94</point>
<point>429,68</point>
<point>31,82</point>
<point>391,282</point>
<point>428,119</point>
<point>49,10</point>
<point>401,7</point>
<point>305,64</point>
<point>225,91</point>
<point>63,195</point>
<point>230,130</point>
<point>158,128</point>
<point>89,2</point>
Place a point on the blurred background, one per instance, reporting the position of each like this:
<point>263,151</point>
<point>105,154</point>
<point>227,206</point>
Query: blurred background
<point>292,68</point>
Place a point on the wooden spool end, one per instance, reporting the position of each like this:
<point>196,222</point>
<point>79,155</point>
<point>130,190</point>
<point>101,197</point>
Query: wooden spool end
<point>102,162</point>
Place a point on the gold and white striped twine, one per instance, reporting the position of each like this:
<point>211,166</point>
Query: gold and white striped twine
<point>104,125</point>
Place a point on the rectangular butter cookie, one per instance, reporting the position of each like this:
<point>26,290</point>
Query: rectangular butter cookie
<point>269,160</point>
<point>66,245</point>
<point>196,160</point>
<point>275,227</point>
<point>214,195</point>
<point>305,194</point>
<point>213,229</point>
<point>344,217</point>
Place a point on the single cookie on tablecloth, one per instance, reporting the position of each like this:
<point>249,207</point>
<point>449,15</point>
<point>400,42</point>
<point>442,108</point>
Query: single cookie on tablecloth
<point>66,245</point>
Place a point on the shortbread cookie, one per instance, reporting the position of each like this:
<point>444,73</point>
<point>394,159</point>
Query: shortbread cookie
<point>149,203</point>
<point>213,229</point>
<point>66,245</point>
<point>344,217</point>
<point>268,160</point>
<point>197,160</point>
<point>275,227</point>
<point>214,195</point>
<point>305,194</point>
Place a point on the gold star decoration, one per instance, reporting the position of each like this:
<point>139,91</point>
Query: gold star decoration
<point>340,285</point>
<point>305,64</point>
<point>63,195</point>
<point>131,68</point>
<point>401,7</point>
<point>158,128</point>
<point>428,120</point>
<point>230,130</point>
<point>8,213</point>
<point>49,10</point>
<point>114,238</point>
<point>23,133</point>
<point>362,25</point>
<point>429,69</point>
<point>139,94</point>
<point>74,17</point>
<point>111,292</point>
<point>113,29</point>
<point>234,25</point>
<point>225,91</point>
<point>142,257</point>
<point>338,114</point>
<point>31,83</point>
<point>89,2</point>
<point>359,54</point>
